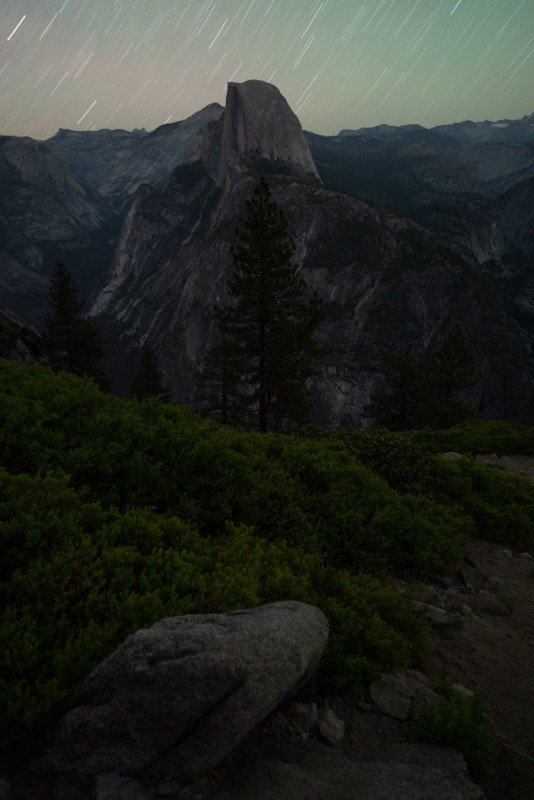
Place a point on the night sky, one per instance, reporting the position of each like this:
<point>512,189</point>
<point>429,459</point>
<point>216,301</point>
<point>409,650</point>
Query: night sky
<point>86,64</point>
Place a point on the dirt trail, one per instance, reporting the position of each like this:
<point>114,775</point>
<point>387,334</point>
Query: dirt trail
<point>496,653</point>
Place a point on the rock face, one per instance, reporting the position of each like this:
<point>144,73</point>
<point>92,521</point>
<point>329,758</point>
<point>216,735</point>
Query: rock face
<point>178,697</point>
<point>67,198</point>
<point>257,124</point>
<point>385,281</point>
<point>45,214</point>
<point>115,163</point>
<point>18,341</point>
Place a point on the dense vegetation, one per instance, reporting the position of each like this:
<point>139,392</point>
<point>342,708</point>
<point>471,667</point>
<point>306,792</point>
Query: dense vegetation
<point>115,513</point>
<point>462,722</point>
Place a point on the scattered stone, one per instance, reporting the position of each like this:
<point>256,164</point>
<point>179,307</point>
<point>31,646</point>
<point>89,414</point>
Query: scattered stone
<point>502,553</point>
<point>180,696</point>
<point>443,581</point>
<point>401,695</point>
<point>525,556</point>
<point>297,719</point>
<point>452,455</point>
<point>467,611</point>
<point>116,787</point>
<point>169,789</point>
<point>438,616</point>
<point>495,584</point>
<point>5,790</point>
<point>331,727</point>
<point>326,773</point>
<point>484,602</point>
<point>463,690</point>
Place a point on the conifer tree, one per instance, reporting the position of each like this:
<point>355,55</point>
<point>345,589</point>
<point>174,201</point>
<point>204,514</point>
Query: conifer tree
<point>270,326</point>
<point>147,379</point>
<point>426,392</point>
<point>71,341</point>
<point>221,378</point>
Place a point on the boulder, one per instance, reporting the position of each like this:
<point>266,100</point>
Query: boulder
<point>116,787</point>
<point>438,616</point>
<point>331,727</point>
<point>5,790</point>
<point>178,697</point>
<point>325,773</point>
<point>401,695</point>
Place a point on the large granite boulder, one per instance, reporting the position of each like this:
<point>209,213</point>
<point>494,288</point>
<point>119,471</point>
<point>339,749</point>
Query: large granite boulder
<point>178,697</point>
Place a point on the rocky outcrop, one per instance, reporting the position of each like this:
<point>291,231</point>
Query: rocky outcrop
<point>385,282</point>
<point>257,125</point>
<point>178,697</point>
<point>45,214</point>
<point>18,341</point>
<point>298,771</point>
<point>115,162</point>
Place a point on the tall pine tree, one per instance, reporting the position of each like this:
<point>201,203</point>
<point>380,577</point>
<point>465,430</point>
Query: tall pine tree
<point>426,391</point>
<point>71,341</point>
<point>269,329</point>
<point>147,379</point>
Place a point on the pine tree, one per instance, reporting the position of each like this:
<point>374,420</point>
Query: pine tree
<point>147,379</point>
<point>449,372</point>
<point>400,408</point>
<point>71,341</point>
<point>270,326</point>
<point>424,392</point>
<point>221,378</point>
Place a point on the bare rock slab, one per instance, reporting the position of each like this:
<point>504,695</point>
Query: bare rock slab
<point>175,699</point>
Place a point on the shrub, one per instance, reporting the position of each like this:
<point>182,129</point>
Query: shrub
<point>126,454</point>
<point>460,722</point>
<point>495,436</point>
<point>78,579</point>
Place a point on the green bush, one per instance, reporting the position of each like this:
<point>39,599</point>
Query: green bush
<point>486,502</point>
<point>460,722</point>
<point>78,579</point>
<point>314,494</point>
<point>495,436</point>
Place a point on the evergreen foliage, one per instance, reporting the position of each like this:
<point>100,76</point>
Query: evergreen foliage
<point>268,330</point>
<point>114,514</point>
<point>71,342</point>
<point>460,722</point>
<point>221,379</point>
<point>147,381</point>
<point>425,392</point>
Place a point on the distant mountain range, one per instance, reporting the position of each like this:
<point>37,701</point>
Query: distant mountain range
<point>403,230</point>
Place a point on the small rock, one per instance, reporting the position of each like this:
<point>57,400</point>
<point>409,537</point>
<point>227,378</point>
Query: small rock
<point>390,701</point>
<point>463,690</point>
<point>494,584</point>
<point>470,562</point>
<point>467,611</point>
<point>484,602</point>
<point>169,788</point>
<point>452,455</point>
<point>525,556</point>
<point>438,616</point>
<point>116,787</point>
<point>443,581</point>
<point>502,553</point>
<point>331,727</point>
<point>5,790</point>
<point>297,719</point>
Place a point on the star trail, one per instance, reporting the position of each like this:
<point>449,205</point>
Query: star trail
<point>89,64</point>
